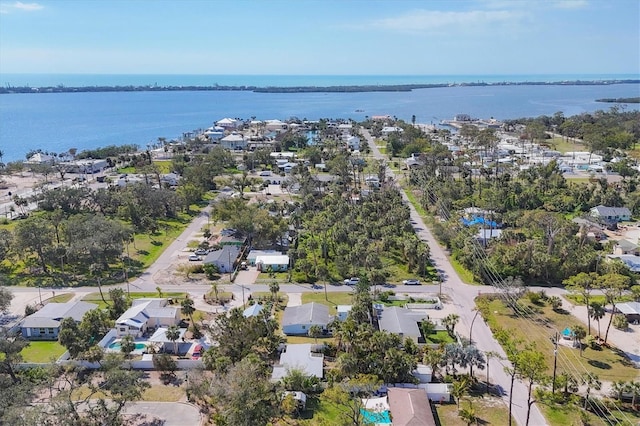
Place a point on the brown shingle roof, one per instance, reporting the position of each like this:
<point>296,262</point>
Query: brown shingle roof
<point>410,407</point>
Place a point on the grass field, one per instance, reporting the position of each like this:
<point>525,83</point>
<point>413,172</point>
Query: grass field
<point>607,363</point>
<point>489,411</point>
<point>563,145</point>
<point>335,299</point>
<point>61,298</point>
<point>578,300</point>
<point>440,336</point>
<point>42,352</point>
<point>95,297</point>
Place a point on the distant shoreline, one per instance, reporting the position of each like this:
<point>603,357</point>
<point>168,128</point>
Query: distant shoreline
<point>298,89</point>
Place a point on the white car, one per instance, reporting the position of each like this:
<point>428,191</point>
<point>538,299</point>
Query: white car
<point>194,258</point>
<point>411,282</point>
<point>352,281</point>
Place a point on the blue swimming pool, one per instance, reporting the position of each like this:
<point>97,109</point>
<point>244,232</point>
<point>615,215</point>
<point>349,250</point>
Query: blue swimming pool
<point>371,417</point>
<point>116,346</point>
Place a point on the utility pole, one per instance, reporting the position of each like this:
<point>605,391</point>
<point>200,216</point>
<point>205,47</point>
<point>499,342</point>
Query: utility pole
<point>555,363</point>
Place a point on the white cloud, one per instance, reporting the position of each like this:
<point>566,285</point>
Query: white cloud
<point>426,21</point>
<point>26,7</point>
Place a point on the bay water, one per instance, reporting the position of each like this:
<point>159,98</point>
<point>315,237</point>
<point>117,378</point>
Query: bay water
<point>56,122</point>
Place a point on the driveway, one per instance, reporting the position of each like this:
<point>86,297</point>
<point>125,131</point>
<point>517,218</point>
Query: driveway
<point>172,413</point>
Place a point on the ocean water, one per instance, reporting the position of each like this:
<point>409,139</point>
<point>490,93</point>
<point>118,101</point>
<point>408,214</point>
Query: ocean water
<point>59,121</point>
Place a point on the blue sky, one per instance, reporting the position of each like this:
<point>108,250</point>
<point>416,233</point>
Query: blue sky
<point>320,37</point>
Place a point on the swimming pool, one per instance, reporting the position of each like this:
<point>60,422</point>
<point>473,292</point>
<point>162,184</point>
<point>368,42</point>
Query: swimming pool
<point>116,346</point>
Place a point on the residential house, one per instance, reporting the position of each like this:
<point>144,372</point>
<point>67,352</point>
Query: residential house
<point>40,158</point>
<point>45,324</point>
<point>484,235</point>
<point>299,357</point>
<point>410,407</point>
<point>402,321</point>
<point>275,125</point>
<point>224,259</point>
<point>253,255</point>
<point>387,130</point>
<point>253,310</point>
<point>145,315</point>
<point>343,312</point>
<point>298,319</point>
<point>227,123</point>
<point>275,263</point>
<point>170,179</point>
<point>353,143</point>
<point>611,214</point>
<point>631,310</point>
<point>632,261</point>
<point>234,141</point>
<point>159,337</point>
<point>626,247</point>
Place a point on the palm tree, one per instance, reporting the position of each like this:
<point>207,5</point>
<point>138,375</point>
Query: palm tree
<point>450,322</point>
<point>597,313</point>
<point>468,415</point>
<point>460,387</point>
<point>173,333</point>
<point>127,345</point>
<point>96,271</point>
<point>591,381</point>
<point>187,308</point>
<point>579,333</point>
<point>274,288</point>
<point>315,331</point>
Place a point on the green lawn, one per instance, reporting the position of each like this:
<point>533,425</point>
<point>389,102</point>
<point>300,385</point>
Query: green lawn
<point>489,411</point>
<point>563,145</point>
<point>42,352</point>
<point>578,300</point>
<point>440,336</point>
<point>335,299</point>
<point>607,363</point>
<point>95,297</point>
<point>61,298</point>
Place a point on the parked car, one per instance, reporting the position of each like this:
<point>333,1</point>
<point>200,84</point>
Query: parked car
<point>411,282</point>
<point>197,352</point>
<point>352,281</point>
<point>194,258</point>
<point>200,252</point>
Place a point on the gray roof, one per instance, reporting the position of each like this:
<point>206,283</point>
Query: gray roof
<point>252,310</point>
<point>309,313</point>
<point>299,357</point>
<point>395,319</point>
<point>52,313</point>
<point>629,308</point>
<point>612,211</point>
<point>225,253</point>
<point>627,245</point>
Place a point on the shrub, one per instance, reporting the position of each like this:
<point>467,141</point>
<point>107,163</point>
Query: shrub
<point>620,322</point>
<point>30,309</point>
<point>534,298</point>
<point>556,303</point>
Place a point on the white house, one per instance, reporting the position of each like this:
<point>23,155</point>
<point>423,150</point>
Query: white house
<point>611,214</point>
<point>234,141</point>
<point>343,312</point>
<point>299,357</point>
<point>252,311</point>
<point>227,123</point>
<point>146,314</point>
<point>387,130</point>
<point>276,263</point>
<point>297,320</point>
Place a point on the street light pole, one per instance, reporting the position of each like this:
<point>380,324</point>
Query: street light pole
<point>471,328</point>
<point>555,363</point>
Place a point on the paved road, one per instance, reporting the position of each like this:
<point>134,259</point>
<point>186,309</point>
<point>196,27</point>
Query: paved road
<point>172,413</point>
<point>462,296</point>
